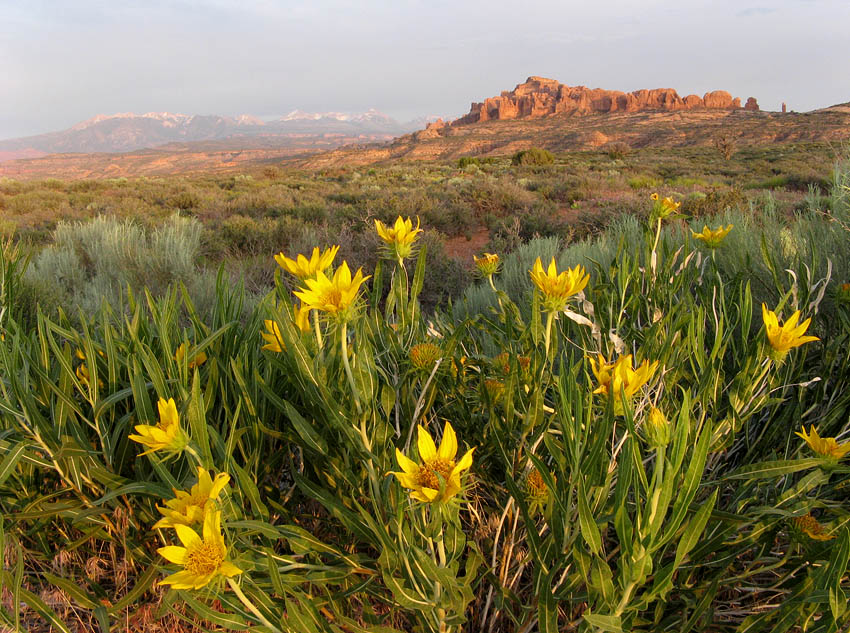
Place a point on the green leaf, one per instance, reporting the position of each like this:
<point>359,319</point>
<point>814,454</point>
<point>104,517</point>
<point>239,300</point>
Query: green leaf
<point>230,621</point>
<point>312,440</point>
<point>694,529</point>
<point>610,623</point>
<point>7,466</point>
<point>547,607</point>
<point>102,617</point>
<point>690,484</point>
<point>589,530</point>
<point>777,468</point>
<point>198,421</point>
<point>73,590</point>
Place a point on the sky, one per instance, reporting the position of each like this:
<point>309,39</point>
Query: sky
<point>62,62</point>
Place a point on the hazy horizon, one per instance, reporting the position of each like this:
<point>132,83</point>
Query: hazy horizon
<point>407,58</point>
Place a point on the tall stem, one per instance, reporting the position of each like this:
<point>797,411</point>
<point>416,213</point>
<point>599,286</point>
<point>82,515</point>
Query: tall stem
<point>654,256</point>
<point>493,286</point>
<point>354,391</point>
<point>550,318</point>
<point>318,329</point>
<point>194,453</point>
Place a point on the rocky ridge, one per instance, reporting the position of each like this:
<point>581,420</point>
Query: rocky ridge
<point>541,97</point>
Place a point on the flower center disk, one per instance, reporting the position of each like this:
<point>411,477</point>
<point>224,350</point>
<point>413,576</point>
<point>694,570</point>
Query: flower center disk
<point>204,559</point>
<point>431,471</point>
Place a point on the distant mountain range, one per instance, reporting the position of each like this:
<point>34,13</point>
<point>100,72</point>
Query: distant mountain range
<point>128,132</point>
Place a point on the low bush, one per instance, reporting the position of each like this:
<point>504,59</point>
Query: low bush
<point>645,182</point>
<point>533,157</point>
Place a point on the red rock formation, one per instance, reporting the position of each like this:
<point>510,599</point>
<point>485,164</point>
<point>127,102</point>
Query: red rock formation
<point>539,97</point>
<point>752,104</point>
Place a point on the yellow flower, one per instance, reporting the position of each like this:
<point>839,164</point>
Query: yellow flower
<point>824,446</point>
<point>83,375</point>
<point>272,336</point>
<point>165,436</point>
<point>663,208</point>
<point>668,206</point>
<point>401,237</point>
<point>334,296</point>
<point>437,477</point>
<point>188,508</point>
<point>557,287</point>
<point>202,559</point>
<point>844,292</point>
<point>713,239</point>
<point>619,375</point>
<point>657,429</point>
<point>424,355</point>
<point>487,264</point>
<point>197,361</point>
<point>304,268</point>
<point>783,338</point>
<point>810,527</point>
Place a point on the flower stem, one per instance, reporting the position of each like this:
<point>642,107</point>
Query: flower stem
<point>493,286</point>
<point>318,329</point>
<point>194,453</point>
<point>354,391</point>
<point>550,318</point>
<point>250,606</point>
<point>441,613</point>
<point>654,257</point>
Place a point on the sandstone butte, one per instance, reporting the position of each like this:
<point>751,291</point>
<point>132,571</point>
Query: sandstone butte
<point>540,97</point>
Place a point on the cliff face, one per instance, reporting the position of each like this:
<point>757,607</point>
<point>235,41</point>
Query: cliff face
<point>539,97</point>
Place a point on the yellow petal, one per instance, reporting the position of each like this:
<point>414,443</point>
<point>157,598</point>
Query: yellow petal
<point>405,463</point>
<point>769,317</point>
<point>452,485</point>
<point>427,448</point>
<point>221,480</point>
<point>465,462</point>
<point>407,480</point>
<point>180,580</point>
<point>448,445</point>
<point>168,412</point>
<point>229,569</point>
<point>187,536</point>
<point>212,525</point>
<point>173,554</point>
<point>429,494</point>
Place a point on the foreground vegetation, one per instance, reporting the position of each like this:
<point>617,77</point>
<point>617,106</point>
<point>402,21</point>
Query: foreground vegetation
<point>625,439</point>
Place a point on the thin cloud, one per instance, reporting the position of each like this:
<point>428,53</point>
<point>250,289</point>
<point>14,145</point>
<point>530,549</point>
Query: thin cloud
<point>752,11</point>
